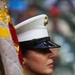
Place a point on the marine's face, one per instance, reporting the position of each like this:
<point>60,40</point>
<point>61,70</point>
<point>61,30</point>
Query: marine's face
<point>40,62</point>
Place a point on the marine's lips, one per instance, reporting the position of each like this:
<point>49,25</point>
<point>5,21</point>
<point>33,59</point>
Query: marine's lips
<point>51,64</point>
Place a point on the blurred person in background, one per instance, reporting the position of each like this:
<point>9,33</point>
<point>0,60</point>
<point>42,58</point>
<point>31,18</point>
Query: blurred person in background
<point>16,9</point>
<point>30,12</point>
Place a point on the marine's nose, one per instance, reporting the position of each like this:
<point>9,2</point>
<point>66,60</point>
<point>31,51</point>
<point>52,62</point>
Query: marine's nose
<point>54,53</point>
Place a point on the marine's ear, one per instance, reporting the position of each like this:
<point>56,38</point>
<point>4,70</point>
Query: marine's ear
<point>24,61</point>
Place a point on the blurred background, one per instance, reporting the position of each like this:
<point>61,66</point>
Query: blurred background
<point>61,26</point>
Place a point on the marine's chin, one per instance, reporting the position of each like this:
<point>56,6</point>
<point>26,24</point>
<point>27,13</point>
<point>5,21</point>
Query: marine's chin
<point>49,72</point>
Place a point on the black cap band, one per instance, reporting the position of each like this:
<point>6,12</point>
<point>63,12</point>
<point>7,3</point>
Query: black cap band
<point>38,43</point>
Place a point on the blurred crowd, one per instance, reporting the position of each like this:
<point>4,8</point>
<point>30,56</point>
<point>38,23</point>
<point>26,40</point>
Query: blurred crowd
<point>61,26</point>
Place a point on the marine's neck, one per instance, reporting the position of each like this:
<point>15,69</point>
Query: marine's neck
<point>29,72</point>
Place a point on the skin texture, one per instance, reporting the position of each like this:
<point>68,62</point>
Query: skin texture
<point>39,63</point>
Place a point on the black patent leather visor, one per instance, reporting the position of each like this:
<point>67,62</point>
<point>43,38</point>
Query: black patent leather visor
<point>43,43</point>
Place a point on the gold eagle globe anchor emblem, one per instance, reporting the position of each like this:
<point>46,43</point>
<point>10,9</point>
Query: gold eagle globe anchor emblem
<point>45,21</point>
